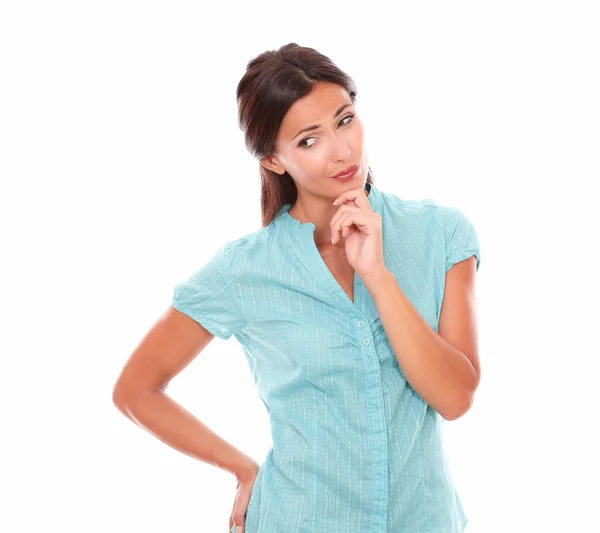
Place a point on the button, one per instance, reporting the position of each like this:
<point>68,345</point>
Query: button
<point>360,323</point>
<point>366,341</point>
<point>370,360</point>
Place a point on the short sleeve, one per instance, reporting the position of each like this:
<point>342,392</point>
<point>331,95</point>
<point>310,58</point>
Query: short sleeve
<point>460,237</point>
<point>208,297</point>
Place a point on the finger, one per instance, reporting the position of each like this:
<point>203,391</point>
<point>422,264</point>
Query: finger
<point>334,223</point>
<point>355,196</point>
<point>349,196</point>
<point>360,219</point>
<point>239,525</point>
<point>349,218</point>
<point>340,212</point>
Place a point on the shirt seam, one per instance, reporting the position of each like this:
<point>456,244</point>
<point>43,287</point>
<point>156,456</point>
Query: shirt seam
<point>231,287</point>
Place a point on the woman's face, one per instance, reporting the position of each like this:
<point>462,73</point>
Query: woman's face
<point>335,143</point>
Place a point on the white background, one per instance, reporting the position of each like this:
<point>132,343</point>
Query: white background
<point>123,170</point>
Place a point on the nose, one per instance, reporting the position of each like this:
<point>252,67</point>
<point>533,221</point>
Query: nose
<point>340,150</point>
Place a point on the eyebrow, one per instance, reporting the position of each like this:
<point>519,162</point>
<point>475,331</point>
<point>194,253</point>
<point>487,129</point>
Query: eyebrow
<point>317,126</point>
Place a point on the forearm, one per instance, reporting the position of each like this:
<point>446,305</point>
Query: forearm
<point>160,415</point>
<point>441,374</point>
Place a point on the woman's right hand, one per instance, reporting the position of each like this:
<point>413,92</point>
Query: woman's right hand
<point>237,520</point>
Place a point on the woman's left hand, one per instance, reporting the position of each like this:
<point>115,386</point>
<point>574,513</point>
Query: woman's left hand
<point>361,227</point>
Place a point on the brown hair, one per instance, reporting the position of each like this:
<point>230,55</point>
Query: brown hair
<point>273,81</point>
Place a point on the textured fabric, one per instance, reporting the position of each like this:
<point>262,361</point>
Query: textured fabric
<point>208,297</point>
<point>355,448</point>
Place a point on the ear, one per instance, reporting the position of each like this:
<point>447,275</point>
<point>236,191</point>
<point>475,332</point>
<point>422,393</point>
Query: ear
<point>272,163</point>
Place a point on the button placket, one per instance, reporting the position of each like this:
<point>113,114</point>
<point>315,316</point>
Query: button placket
<point>366,341</point>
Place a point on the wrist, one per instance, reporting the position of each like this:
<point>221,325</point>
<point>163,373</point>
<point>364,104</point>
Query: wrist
<point>376,278</point>
<point>246,469</point>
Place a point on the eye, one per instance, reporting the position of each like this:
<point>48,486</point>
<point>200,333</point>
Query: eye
<point>307,138</point>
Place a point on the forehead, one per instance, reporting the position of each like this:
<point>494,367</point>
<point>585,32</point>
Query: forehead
<point>316,107</point>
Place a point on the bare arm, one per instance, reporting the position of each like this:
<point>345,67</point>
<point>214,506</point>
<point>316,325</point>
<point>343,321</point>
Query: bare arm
<point>442,367</point>
<point>139,393</point>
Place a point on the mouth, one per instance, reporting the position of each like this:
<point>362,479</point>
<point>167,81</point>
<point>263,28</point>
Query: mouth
<point>347,173</point>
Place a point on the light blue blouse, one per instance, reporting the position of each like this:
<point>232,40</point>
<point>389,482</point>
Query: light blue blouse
<point>355,448</point>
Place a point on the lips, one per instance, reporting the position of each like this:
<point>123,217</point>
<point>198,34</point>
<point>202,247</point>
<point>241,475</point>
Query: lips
<point>346,172</point>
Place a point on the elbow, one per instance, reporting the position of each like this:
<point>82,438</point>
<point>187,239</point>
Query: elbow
<point>458,408</point>
<point>121,397</point>
<point>118,396</point>
<point>464,401</point>
<point>126,396</point>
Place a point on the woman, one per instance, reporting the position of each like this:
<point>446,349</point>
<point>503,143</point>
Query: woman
<point>355,310</point>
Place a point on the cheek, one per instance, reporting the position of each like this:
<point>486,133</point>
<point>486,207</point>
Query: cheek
<point>304,167</point>
<point>312,161</point>
<point>295,162</point>
<point>357,135</point>
<point>299,164</point>
<point>312,165</point>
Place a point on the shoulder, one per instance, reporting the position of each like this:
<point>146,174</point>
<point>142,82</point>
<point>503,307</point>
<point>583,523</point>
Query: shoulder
<point>421,212</point>
<point>426,211</point>
<point>457,231</point>
<point>439,224</point>
<point>246,249</point>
